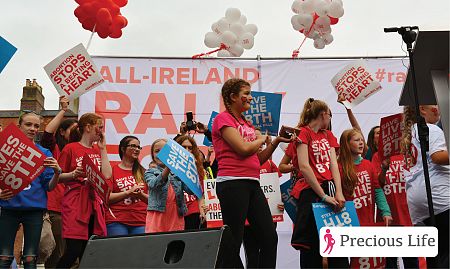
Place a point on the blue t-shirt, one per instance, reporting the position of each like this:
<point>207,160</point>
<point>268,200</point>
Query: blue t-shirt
<point>34,196</point>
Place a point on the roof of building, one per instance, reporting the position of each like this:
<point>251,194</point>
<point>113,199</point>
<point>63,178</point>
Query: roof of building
<point>44,113</point>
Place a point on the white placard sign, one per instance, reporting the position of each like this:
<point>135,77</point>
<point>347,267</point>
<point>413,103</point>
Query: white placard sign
<point>73,73</point>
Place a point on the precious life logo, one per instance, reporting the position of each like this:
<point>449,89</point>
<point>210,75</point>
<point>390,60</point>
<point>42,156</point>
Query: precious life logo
<point>379,241</point>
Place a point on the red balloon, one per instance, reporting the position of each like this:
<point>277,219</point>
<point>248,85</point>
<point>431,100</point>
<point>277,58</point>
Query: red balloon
<point>116,33</point>
<point>119,22</point>
<point>333,21</point>
<point>104,17</point>
<point>301,30</point>
<point>121,3</point>
<point>102,30</point>
<point>315,16</point>
<point>88,24</point>
<point>126,21</point>
<point>90,9</point>
<point>80,13</point>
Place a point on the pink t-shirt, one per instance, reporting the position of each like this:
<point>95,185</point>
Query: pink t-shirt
<point>232,164</point>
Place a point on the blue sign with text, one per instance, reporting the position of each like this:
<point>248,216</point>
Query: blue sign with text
<point>264,112</point>
<point>290,205</point>
<point>182,163</point>
<point>326,217</point>
<point>7,51</point>
<point>206,142</point>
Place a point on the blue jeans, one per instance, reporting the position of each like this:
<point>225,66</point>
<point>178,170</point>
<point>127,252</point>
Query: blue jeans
<point>32,227</point>
<point>117,228</point>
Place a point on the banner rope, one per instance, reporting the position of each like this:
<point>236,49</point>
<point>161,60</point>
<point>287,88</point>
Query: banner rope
<point>296,52</point>
<point>222,47</point>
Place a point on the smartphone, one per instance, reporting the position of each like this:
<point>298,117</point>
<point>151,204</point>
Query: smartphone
<point>190,123</point>
<point>287,131</point>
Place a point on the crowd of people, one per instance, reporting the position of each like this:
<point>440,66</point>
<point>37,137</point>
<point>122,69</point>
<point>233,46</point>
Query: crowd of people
<point>321,169</point>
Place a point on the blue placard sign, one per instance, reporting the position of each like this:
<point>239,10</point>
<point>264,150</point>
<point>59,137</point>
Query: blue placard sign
<point>7,51</point>
<point>206,142</point>
<point>265,111</point>
<point>290,205</point>
<point>182,164</point>
<point>326,217</point>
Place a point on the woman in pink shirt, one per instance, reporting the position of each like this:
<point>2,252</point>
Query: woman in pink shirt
<point>238,188</point>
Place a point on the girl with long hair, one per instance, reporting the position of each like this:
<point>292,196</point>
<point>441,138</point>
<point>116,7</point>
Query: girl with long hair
<point>28,206</point>
<point>83,211</point>
<point>55,137</point>
<point>129,192</point>
<point>360,182</point>
<point>195,216</point>
<point>372,142</point>
<point>166,205</point>
<point>237,183</point>
<point>319,180</point>
<point>439,172</point>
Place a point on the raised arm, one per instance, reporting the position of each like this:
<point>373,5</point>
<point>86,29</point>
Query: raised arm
<point>53,125</point>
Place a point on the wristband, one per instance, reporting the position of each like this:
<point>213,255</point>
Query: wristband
<point>324,198</point>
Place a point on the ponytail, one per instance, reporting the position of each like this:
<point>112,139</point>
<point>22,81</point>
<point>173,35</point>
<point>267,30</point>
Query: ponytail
<point>311,110</point>
<point>409,119</point>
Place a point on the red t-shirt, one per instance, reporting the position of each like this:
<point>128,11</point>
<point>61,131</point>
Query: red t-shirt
<point>54,196</point>
<point>129,211</point>
<point>319,155</point>
<point>80,200</point>
<point>364,193</point>
<point>269,167</point>
<point>395,188</point>
<point>231,163</point>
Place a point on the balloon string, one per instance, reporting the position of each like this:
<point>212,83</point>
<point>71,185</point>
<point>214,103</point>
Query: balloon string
<point>90,38</point>
<point>222,47</point>
<point>296,52</point>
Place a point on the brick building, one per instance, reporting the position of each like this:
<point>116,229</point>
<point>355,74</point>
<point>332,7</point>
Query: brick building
<point>33,100</point>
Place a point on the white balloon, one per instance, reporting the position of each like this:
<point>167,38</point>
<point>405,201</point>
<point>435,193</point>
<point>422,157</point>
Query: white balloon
<point>305,20</point>
<point>308,6</point>
<point>327,38</point>
<point>338,1</point>
<point>243,20</point>
<point>212,40</point>
<point>322,24</point>
<point>295,23</point>
<point>236,50</point>
<point>321,7</point>
<point>319,43</point>
<point>215,28</point>
<point>228,38</point>
<point>335,10</point>
<point>312,34</point>
<point>297,6</point>
<point>223,53</point>
<point>223,25</point>
<point>252,28</point>
<point>247,41</point>
<point>237,28</point>
<point>233,14</point>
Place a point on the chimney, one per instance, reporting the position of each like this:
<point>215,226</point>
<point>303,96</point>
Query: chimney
<point>32,98</point>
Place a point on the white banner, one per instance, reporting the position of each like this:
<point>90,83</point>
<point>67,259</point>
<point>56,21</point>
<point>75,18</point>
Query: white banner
<point>148,98</point>
<point>270,185</point>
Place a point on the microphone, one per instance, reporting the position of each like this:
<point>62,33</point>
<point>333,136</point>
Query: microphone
<point>400,29</point>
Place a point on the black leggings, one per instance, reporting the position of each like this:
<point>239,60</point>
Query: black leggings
<point>442,224</point>
<point>243,199</point>
<point>75,248</point>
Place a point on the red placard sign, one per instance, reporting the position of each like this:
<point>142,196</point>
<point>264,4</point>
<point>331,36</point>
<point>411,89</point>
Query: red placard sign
<point>390,136</point>
<point>96,179</point>
<point>20,160</point>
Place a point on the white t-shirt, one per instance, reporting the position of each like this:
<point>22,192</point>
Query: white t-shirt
<point>439,177</point>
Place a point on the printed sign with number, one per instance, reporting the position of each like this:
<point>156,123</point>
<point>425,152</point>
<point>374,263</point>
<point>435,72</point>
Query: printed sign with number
<point>326,217</point>
<point>182,163</point>
<point>264,111</point>
<point>356,83</point>
<point>290,206</point>
<point>20,160</point>
<point>214,214</point>
<point>96,179</point>
<point>390,136</point>
<point>73,73</point>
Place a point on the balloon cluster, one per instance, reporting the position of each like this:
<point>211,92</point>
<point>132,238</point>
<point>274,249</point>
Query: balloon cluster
<point>231,34</point>
<point>102,16</point>
<point>314,19</point>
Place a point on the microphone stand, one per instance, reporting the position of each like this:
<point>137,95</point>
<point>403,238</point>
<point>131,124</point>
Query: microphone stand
<point>409,37</point>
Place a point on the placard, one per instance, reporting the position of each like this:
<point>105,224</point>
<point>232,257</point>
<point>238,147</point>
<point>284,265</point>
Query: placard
<point>73,73</point>
<point>206,142</point>
<point>356,83</point>
<point>20,160</point>
<point>390,136</point>
<point>326,217</point>
<point>214,214</point>
<point>270,185</point>
<point>264,112</point>
<point>7,51</point>
<point>96,179</point>
<point>182,163</point>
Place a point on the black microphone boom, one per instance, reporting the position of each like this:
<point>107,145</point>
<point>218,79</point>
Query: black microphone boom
<point>400,29</point>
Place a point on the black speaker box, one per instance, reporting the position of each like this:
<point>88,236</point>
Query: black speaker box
<point>208,248</point>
